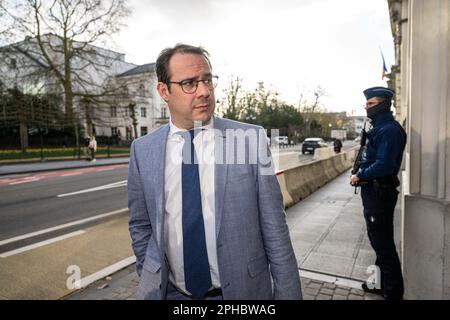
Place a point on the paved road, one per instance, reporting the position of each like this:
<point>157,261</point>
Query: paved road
<point>34,259</point>
<point>29,203</point>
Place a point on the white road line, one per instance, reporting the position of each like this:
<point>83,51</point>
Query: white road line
<point>71,174</point>
<point>40,244</point>
<point>26,181</point>
<point>66,225</point>
<point>84,282</point>
<point>105,187</point>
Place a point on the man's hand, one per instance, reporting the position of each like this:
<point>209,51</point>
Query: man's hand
<point>354,179</point>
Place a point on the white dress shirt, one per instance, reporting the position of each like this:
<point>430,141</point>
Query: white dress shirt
<point>173,229</point>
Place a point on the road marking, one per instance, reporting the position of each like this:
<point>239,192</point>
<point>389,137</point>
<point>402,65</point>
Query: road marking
<point>84,282</point>
<point>71,174</point>
<point>26,180</point>
<point>105,187</point>
<point>66,225</point>
<point>40,244</point>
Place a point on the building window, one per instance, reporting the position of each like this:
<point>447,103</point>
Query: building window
<point>141,91</point>
<point>113,131</point>
<point>13,64</point>
<point>128,133</point>
<point>144,131</point>
<point>163,113</point>
<point>143,112</point>
<point>113,111</point>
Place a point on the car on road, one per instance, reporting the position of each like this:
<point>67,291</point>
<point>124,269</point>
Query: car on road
<point>281,140</point>
<point>311,144</point>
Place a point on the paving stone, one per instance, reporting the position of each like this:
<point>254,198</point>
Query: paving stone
<point>305,281</point>
<point>308,297</point>
<point>355,297</point>
<point>357,292</point>
<point>120,290</point>
<point>372,297</point>
<point>329,286</point>
<point>341,291</point>
<point>339,297</point>
<point>312,292</point>
<point>326,291</point>
<point>314,285</point>
<point>124,296</point>
<point>323,297</point>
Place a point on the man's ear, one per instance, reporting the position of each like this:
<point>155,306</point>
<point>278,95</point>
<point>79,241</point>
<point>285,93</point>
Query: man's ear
<point>163,91</point>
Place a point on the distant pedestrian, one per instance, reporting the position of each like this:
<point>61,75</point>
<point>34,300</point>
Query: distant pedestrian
<point>337,145</point>
<point>379,165</point>
<point>92,148</point>
<point>86,142</point>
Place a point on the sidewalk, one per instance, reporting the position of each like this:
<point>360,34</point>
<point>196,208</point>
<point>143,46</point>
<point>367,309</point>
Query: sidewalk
<point>21,168</point>
<point>329,238</point>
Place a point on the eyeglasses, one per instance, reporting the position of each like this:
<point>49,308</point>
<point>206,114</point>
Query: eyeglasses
<point>189,86</point>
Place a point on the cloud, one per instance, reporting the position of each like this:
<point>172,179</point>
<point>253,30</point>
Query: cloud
<point>288,44</point>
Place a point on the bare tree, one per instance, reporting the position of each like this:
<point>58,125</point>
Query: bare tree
<point>310,108</point>
<point>63,33</point>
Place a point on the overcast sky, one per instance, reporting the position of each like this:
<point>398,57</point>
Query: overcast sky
<point>290,45</point>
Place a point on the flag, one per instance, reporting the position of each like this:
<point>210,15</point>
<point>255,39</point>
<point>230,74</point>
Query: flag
<point>385,71</point>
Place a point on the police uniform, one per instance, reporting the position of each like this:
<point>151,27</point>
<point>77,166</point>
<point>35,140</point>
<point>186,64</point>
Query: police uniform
<point>379,166</point>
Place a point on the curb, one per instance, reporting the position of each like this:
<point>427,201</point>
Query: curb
<point>64,168</point>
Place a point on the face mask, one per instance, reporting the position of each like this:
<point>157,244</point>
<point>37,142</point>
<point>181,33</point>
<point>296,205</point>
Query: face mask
<point>384,106</point>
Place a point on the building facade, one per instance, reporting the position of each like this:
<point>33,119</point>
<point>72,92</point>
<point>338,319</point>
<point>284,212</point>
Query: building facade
<point>116,98</point>
<point>421,78</point>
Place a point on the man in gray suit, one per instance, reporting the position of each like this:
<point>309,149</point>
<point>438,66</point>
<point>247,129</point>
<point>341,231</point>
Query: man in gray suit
<point>207,217</point>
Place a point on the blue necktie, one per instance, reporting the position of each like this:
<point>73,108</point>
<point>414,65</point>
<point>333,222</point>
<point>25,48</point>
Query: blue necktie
<point>196,266</point>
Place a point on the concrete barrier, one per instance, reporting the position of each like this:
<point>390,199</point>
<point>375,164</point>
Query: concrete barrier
<point>323,153</point>
<point>299,182</point>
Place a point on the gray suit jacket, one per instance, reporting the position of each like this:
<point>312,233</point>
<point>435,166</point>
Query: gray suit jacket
<point>255,255</point>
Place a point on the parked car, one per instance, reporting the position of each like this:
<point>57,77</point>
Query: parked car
<point>281,140</point>
<point>311,144</point>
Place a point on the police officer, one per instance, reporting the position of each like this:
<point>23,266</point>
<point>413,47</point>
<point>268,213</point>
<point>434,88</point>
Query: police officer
<point>377,175</point>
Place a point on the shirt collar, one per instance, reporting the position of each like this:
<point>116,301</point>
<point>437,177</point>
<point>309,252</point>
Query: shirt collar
<point>174,129</point>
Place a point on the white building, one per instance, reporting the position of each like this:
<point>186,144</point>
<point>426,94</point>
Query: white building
<point>96,70</point>
<point>149,109</point>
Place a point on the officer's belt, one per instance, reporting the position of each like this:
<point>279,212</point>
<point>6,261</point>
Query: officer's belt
<point>386,181</point>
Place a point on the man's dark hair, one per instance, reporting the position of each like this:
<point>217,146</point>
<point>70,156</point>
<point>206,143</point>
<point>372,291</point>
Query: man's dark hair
<point>162,63</point>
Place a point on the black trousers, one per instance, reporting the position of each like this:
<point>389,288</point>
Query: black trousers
<point>379,204</point>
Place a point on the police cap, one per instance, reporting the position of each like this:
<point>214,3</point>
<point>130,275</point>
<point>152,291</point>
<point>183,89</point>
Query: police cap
<point>378,92</point>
